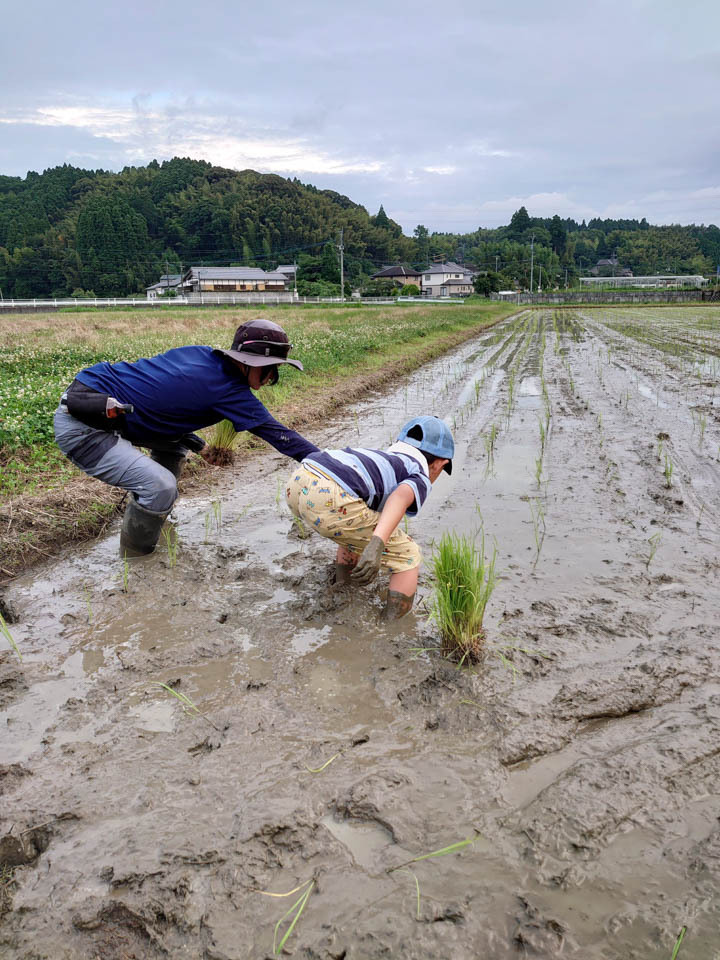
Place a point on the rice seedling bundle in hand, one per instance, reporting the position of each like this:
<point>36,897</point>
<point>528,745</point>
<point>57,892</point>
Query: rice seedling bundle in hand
<point>465,579</point>
<point>220,451</point>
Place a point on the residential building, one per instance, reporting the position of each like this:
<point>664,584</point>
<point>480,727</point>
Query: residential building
<point>400,275</point>
<point>166,283</point>
<point>233,280</point>
<point>447,280</point>
<point>288,269</point>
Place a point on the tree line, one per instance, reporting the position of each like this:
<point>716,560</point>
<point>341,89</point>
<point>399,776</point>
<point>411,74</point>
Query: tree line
<point>70,231</point>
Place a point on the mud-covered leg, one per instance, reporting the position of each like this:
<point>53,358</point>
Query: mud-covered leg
<point>401,594</point>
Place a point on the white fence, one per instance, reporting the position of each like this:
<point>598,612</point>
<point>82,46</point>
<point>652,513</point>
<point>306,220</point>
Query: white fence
<point>202,300</point>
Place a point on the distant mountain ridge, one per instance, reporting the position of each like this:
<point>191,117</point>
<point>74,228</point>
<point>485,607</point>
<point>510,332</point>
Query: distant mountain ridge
<point>68,230</point>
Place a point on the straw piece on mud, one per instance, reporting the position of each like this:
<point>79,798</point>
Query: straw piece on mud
<point>266,893</point>
<point>320,769</point>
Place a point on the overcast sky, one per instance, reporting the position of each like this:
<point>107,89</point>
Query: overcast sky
<point>449,115</point>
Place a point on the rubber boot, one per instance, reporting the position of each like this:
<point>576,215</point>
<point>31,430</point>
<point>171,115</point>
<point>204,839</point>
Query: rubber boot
<point>140,530</point>
<point>398,604</point>
<point>174,462</point>
<point>342,573</point>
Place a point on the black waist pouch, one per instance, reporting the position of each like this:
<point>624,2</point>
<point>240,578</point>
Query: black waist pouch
<point>90,407</point>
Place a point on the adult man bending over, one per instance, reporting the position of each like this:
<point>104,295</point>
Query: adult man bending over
<point>111,409</point>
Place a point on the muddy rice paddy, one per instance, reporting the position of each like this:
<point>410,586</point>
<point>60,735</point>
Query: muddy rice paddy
<point>582,754</point>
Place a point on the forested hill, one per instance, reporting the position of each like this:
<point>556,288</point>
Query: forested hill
<point>114,234</point>
<point>69,230</point>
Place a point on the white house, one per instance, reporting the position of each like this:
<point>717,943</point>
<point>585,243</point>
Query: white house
<point>447,280</point>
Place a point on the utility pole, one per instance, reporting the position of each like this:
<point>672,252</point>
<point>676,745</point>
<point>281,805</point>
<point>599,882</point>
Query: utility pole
<point>295,277</point>
<point>532,260</point>
<point>540,283</point>
<point>342,268</point>
<point>167,277</point>
<point>566,278</point>
<point>496,263</point>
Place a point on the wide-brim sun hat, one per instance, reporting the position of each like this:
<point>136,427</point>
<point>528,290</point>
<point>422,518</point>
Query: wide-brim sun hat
<point>261,343</point>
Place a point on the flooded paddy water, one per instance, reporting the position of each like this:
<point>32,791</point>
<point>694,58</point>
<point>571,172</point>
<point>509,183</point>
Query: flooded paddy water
<point>581,756</point>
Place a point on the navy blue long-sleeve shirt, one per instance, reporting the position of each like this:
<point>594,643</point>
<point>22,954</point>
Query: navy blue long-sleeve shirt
<point>185,389</point>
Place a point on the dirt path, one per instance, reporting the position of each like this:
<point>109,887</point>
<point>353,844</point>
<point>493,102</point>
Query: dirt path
<point>582,754</point>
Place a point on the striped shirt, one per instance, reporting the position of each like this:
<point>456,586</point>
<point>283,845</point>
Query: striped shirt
<point>372,475</point>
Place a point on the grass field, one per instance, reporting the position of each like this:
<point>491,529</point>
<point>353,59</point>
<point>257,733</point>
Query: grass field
<point>41,353</point>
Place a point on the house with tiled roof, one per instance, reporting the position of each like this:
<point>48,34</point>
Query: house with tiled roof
<point>166,283</point>
<point>232,280</point>
<point>399,274</point>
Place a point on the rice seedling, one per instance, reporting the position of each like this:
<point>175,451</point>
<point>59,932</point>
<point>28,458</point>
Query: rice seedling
<point>678,942</point>
<point>668,471</point>
<point>543,437</point>
<point>5,632</point>
<point>538,470</point>
<point>302,531</point>
<point>88,603</point>
<point>539,528</point>
<point>125,574</point>
<point>417,888</point>
<point>294,912</point>
<point>171,542</point>
<point>221,449</point>
<point>654,542</point>
<point>187,704</point>
<point>443,852</point>
<point>464,582</point>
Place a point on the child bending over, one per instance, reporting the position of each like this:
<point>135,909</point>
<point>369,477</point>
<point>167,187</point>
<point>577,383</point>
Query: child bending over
<point>357,498</point>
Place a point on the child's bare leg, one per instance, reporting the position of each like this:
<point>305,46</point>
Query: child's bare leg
<point>403,585</point>
<point>344,563</point>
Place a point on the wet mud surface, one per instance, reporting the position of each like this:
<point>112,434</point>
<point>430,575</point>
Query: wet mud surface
<point>582,754</point>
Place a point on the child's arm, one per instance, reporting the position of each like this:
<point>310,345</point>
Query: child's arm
<point>396,504</point>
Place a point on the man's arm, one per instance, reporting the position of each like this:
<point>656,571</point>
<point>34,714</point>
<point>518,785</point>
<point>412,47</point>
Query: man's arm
<point>284,440</point>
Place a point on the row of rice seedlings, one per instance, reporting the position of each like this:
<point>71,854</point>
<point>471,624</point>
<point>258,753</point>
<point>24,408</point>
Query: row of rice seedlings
<point>465,577</point>
<point>5,632</point>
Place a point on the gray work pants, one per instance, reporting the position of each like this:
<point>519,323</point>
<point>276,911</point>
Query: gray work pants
<point>122,465</point>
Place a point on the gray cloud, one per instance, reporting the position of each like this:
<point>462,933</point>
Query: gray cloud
<point>449,117</point>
